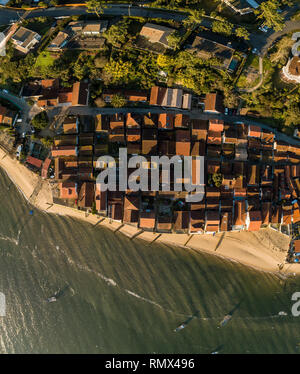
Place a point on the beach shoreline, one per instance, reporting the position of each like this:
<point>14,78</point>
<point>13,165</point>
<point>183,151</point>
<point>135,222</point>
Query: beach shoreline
<point>262,250</point>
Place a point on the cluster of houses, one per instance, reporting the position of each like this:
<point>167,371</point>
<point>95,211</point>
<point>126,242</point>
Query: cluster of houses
<point>80,35</point>
<point>251,178</point>
<point>153,37</point>
<point>48,93</point>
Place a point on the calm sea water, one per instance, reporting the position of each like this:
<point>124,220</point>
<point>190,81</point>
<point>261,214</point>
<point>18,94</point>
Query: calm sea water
<point>123,296</point>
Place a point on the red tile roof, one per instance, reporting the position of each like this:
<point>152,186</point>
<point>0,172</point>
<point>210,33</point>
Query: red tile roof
<point>34,161</point>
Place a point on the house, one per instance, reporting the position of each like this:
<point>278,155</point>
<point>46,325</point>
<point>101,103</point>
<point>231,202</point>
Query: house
<point>24,40</point>
<point>254,131</point>
<point>197,221</point>
<point>45,168</point>
<point>59,41</point>
<point>7,116</point>
<point>166,121</point>
<point>226,221</point>
<point>100,199</point>
<point>150,120</point>
<point>215,125</point>
<point>253,175</point>
<point>183,142</point>
<point>94,28</point>
<point>167,97</point>
<point>199,130</point>
<point>156,33</point>
<point>291,71</point>
<point>131,208</point>
<point>149,142</point>
<point>239,215</point>
<point>147,220</point>
<point>212,221</point>
<point>213,103</point>
<point>209,47</point>
<point>33,162</point>
<point>67,150</point>
<point>86,195</point>
<point>68,190</point>
<point>80,94</point>
<point>181,220</point>
<point>70,125</point>
<point>255,220</point>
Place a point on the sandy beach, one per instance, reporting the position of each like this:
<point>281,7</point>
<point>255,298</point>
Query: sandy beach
<point>264,250</point>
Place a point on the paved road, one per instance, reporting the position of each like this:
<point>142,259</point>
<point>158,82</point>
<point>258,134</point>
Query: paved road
<point>259,40</point>
<point>6,15</point>
<point>193,114</point>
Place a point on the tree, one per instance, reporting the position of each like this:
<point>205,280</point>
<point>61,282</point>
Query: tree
<point>40,121</point>
<point>267,11</point>
<point>217,179</point>
<point>242,32</point>
<point>174,40</point>
<point>194,19</point>
<point>164,61</point>
<point>95,6</point>
<point>118,101</point>
<point>117,33</point>
<point>99,102</point>
<point>119,71</point>
<point>222,27</point>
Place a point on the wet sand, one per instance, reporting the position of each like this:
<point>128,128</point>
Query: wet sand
<point>264,250</point>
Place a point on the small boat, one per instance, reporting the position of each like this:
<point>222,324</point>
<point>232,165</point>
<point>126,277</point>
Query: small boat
<point>51,299</point>
<point>180,327</point>
<point>226,319</point>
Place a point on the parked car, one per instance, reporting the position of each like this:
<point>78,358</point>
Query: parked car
<point>5,91</point>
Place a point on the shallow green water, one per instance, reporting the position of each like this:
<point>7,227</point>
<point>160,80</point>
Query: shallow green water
<point>123,296</point>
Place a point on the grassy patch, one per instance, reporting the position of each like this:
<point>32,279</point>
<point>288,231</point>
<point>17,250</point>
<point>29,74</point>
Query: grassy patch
<point>44,60</point>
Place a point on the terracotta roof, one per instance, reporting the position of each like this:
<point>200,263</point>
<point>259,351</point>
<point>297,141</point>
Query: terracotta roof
<point>156,33</point>
<point>131,202</point>
<point>197,220</point>
<point>68,190</point>
<point>212,221</point>
<point>255,220</point>
<point>116,211</point>
<point>181,120</point>
<point>100,199</point>
<point>214,137</point>
<point>165,121</point>
<point>226,221</point>
<point>213,103</point>
<point>86,195</point>
<point>45,168</point>
<point>239,213</point>
<point>216,125</point>
<point>67,150</point>
<point>182,220</point>
<point>147,220</point>
<point>80,93</point>
<point>157,95</point>
<point>34,162</point>
<point>254,131</point>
